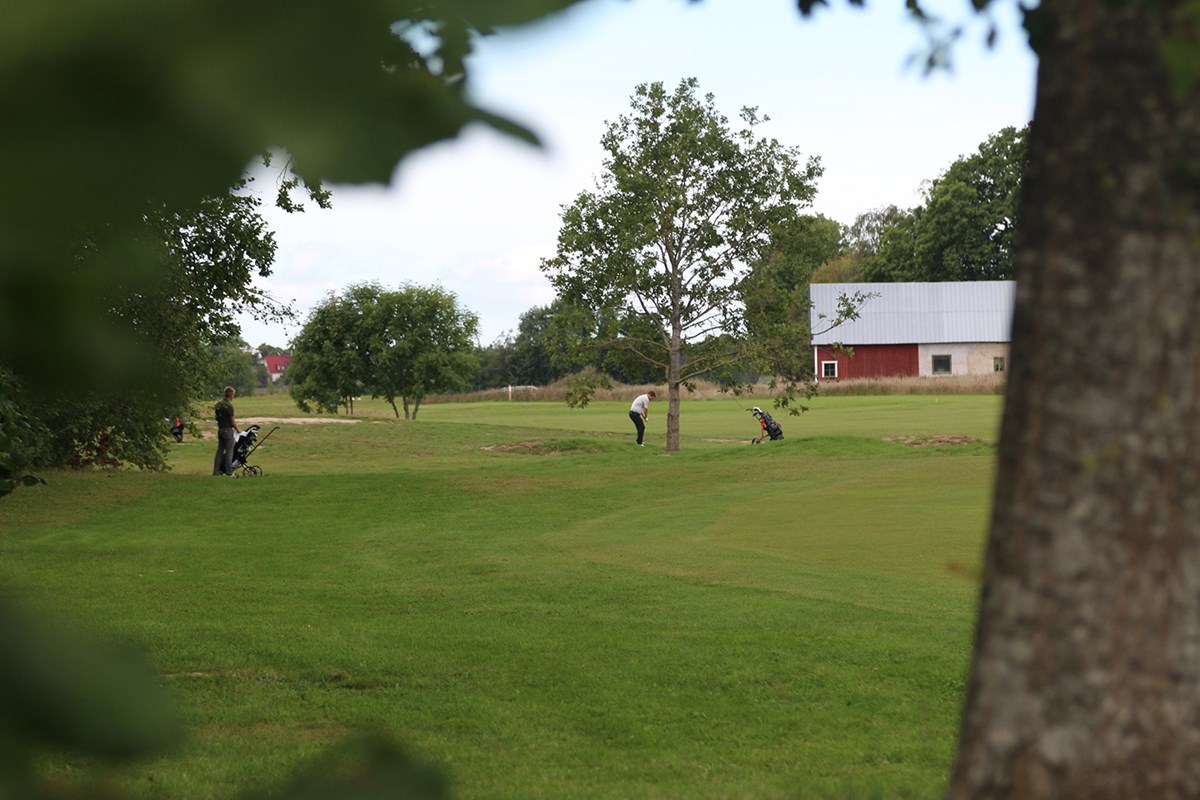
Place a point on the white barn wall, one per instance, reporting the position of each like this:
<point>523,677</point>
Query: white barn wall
<point>965,358</point>
<point>982,360</point>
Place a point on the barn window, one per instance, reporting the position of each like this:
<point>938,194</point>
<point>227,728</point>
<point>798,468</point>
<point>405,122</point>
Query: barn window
<point>998,364</point>
<point>941,365</point>
<point>828,369</point>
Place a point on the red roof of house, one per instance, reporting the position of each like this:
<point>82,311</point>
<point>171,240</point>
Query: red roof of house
<point>276,364</point>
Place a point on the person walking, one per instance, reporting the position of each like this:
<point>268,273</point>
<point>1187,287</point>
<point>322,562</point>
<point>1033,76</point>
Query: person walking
<point>640,411</point>
<point>227,431</point>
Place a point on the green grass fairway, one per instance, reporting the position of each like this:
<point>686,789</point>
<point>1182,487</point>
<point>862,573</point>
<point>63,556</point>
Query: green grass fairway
<point>520,594</point>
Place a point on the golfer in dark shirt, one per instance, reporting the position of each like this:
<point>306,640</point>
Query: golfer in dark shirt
<point>227,431</point>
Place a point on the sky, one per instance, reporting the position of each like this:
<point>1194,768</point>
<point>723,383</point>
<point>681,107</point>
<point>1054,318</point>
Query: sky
<point>476,215</point>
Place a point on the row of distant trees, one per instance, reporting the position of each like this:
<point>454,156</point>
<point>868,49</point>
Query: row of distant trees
<point>962,230</point>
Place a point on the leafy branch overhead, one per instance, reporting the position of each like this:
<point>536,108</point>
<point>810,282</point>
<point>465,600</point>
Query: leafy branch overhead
<point>347,89</point>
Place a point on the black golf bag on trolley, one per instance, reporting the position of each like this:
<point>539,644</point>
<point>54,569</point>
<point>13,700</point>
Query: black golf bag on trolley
<point>246,443</point>
<point>768,427</point>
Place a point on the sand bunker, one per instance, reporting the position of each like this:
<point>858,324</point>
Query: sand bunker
<point>260,421</point>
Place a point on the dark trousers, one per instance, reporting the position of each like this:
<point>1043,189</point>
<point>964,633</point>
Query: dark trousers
<point>223,462</point>
<point>641,426</point>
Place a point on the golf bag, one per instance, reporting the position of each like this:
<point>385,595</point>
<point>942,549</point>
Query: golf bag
<point>177,428</point>
<point>244,445</point>
<point>768,427</point>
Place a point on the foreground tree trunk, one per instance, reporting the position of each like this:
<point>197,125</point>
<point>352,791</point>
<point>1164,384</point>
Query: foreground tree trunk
<point>1085,681</point>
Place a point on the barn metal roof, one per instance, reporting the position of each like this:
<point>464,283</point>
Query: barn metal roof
<point>917,313</point>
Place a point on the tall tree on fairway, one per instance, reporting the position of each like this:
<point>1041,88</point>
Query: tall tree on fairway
<point>684,206</point>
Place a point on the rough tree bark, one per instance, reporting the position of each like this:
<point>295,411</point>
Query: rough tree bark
<point>1085,681</point>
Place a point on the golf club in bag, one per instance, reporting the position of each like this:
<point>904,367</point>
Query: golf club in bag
<point>244,446</point>
<point>768,427</point>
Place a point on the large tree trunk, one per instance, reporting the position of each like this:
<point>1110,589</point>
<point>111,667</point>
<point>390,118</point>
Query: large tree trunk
<point>1085,681</point>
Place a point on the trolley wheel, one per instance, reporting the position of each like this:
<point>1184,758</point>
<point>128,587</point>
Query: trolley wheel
<point>255,471</point>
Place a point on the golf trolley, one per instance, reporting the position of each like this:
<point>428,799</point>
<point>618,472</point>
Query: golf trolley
<point>768,427</point>
<point>247,442</point>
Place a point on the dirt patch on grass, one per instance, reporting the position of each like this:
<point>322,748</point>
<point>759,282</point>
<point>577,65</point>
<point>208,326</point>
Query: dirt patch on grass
<point>963,571</point>
<point>933,440</point>
<point>262,422</point>
<point>531,448</point>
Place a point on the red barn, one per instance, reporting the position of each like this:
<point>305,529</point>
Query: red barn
<point>913,329</point>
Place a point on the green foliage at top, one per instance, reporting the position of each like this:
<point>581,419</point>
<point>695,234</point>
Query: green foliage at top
<point>203,89</point>
<point>398,344</point>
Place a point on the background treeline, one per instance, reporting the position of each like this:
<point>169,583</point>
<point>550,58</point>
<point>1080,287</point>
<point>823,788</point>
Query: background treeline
<point>962,230</point>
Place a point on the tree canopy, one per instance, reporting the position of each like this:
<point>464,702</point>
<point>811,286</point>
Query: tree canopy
<point>685,205</point>
<point>963,231</point>
<point>401,344</point>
